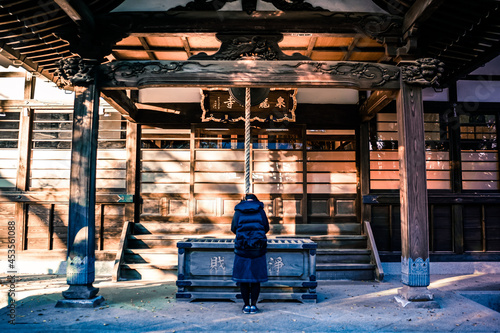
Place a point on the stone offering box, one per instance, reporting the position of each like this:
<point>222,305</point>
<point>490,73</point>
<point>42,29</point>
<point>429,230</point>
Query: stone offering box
<point>206,266</point>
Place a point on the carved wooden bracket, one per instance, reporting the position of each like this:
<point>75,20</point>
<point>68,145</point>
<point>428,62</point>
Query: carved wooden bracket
<point>76,72</point>
<point>257,47</point>
<point>425,72</point>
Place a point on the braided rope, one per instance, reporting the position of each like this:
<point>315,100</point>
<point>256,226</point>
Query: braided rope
<point>247,140</point>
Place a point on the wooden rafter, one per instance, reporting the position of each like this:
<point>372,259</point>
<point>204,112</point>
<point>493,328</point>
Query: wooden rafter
<point>310,46</point>
<point>77,11</point>
<point>145,45</point>
<point>351,47</point>
<point>187,47</point>
<point>420,11</point>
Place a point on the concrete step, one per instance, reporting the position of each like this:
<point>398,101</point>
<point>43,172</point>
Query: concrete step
<point>343,256</point>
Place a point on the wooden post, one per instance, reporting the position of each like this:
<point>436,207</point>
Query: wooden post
<point>456,170</point>
<point>364,169</point>
<point>415,273</point>
<point>132,210</point>
<point>23,170</point>
<point>80,272</point>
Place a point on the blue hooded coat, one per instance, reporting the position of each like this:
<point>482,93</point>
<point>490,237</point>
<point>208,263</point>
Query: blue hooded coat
<point>250,224</point>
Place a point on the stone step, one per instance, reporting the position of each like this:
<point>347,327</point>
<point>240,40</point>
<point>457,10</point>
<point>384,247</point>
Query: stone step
<point>345,271</point>
<point>340,241</point>
<point>154,241</point>
<point>224,229</point>
<point>155,256</point>
<point>148,272</point>
<point>343,256</point>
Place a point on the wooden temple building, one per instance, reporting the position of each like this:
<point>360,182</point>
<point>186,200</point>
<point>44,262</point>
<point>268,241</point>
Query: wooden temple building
<point>377,129</point>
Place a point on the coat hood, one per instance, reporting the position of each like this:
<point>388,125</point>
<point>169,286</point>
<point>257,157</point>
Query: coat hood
<point>249,206</point>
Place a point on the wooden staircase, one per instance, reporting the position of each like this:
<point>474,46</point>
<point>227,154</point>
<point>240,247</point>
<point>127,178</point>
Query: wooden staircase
<point>148,250</point>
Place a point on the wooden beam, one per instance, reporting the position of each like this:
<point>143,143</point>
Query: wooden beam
<point>119,100</point>
<point>191,51</point>
<point>420,11</point>
<point>59,197</point>
<point>377,101</point>
<point>168,22</point>
<point>243,73</point>
<point>12,74</point>
<point>156,108</point>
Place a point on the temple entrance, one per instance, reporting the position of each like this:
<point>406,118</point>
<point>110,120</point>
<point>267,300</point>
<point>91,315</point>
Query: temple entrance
<point>191,179</point>
<point>303,176</point>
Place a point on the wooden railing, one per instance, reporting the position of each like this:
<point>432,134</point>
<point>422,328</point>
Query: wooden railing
<point>120,253</point>
<point>374,257</point>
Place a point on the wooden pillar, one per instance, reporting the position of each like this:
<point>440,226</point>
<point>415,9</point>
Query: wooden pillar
<point>456,169</point>
<point>363,142</point>
<point>23,169</point>
<point>415,273</point>
<point>80,272</point>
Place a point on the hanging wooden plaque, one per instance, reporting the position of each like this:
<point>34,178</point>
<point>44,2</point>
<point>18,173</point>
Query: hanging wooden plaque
<point>219,106</point>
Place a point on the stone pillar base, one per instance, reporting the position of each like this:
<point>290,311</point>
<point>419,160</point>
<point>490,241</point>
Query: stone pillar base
<point>416,297</point>
<point>80,303</point>
<point>78,291</point>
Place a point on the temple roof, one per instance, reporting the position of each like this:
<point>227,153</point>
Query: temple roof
<point>464,34</point>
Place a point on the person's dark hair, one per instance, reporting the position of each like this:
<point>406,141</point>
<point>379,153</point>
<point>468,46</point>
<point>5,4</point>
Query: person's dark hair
<point>251,196</point>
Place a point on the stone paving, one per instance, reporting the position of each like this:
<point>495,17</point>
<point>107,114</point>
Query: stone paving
<point>350,306</point>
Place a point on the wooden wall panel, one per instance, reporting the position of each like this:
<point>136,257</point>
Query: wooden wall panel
<point>213,177</point>
<point>331,166</point>
<point>292,208</point>
<point>442,231</point>
<point>219,188</point>
<point>165,171</point>
<point>276,155</point>
<point>221,155</point>
<point>7,213</point>
<point>9,159</point>
<point>111,170</point>
<point>332,188</point>
<point>229,166</point>
<point>165,188</point>
<point>278,188</point>
<point>50,169</point>
<point>492,226</point>
<point>277,166</point>
<point>472,228</point>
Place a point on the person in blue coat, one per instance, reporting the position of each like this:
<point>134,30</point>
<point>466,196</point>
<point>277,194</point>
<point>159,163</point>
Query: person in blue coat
<point>250,224</point>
